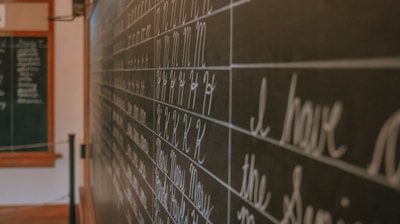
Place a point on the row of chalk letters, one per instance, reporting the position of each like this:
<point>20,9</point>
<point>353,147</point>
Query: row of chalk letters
<point>168,83</point>
<point>311,127</point>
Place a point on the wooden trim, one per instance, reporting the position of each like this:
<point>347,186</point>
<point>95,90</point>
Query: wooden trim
<point>48,214</point>
<point>33,1</point>
<point>86,96</point>
<point>28,159</point>
<point>86,209</point>
<point>50,79</point>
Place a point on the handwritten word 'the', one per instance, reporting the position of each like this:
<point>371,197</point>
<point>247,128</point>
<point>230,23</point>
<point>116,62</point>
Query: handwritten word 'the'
<point>254,189</point>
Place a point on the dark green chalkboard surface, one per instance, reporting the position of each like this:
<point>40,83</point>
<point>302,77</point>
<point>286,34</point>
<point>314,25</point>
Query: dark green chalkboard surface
<point>245,111</point>
<point>23,92</point>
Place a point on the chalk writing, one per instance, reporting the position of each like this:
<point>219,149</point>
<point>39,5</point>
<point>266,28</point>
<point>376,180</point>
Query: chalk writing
<point>168,92</point>
<point>175,118</point>
<point>386,144</point>
<point>167,86</point>
<point>253,188</point>
<point>178,209</point>
<point>199,138</point>
<point>172,87</point>
<point>293,207</point>
<point>161,157</point>
<point>187,36</point>
<point>175,49</point>
<point>208,93</point>
<point>197,194</point>
<point>193,88</point>
<point>259,130</point>
<point>181,87</point>
<point>177,174</point>
<point>311,128</point>
<point>28,65</point>
<point>245,217</point>
<point>201,28</point>
<point>137,10</point>
<point>200,130</point>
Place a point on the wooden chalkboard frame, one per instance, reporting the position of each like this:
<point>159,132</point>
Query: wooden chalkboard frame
<point>37,159</point>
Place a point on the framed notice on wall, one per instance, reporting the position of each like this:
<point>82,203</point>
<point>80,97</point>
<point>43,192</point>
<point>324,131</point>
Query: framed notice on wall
<point>26,84</point>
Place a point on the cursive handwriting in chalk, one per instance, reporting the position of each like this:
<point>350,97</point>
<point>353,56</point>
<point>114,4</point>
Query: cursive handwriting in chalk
<point>161,189</point>
<point>188,122</point>
<point>293,207</point>
<point>172,87</point>
<point>253,188</point>
<point>199,139</point>
<point>197,194</point>
<point>178,210</point>
<point>167,116</point>
<point>182,82</point>
<point>166,51</point>
<point>177,173</point>
<point>210,87</point>
<point>175,118</point>
<point>187,36</point>
<point>193,89</point>
<point>164,85</point>
<point>158,48</point>
<point>201,33</point>
<point>386,144</point>
<point>245,217</point>
<point>259,130</point>
<point>311,131</point>
<point>175,49</point>
<point>3,105</point>
<point>159,112</point>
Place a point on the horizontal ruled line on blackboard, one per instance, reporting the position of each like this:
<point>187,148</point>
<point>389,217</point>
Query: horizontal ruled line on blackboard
<point>222,9</point>
<point>222,123</point>
<point>367,63</point>
<point>123,170</point>
<point>265,214</point>
<point>370,63</point>
<point>213,13</point>
<point>346,167</point>
<point>154,163</point>
<point>154,193</point>
<point>138,19</point>
<point>115,186</point>
<point>221,68</point>
<point>226,185</point>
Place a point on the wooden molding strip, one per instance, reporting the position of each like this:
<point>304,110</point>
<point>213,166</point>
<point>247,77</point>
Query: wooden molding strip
<point>86,210</point>
<point>28,159</point>
<point>44,214</point>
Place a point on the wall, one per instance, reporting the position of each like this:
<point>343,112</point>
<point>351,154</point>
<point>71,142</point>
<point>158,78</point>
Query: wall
<point>44,185</point>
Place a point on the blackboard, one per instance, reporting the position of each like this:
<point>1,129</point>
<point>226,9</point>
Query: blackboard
<point>23,92</point>
<point>217,111</point>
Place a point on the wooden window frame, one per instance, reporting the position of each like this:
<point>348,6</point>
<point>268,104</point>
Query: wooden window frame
<point>37,159</point>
